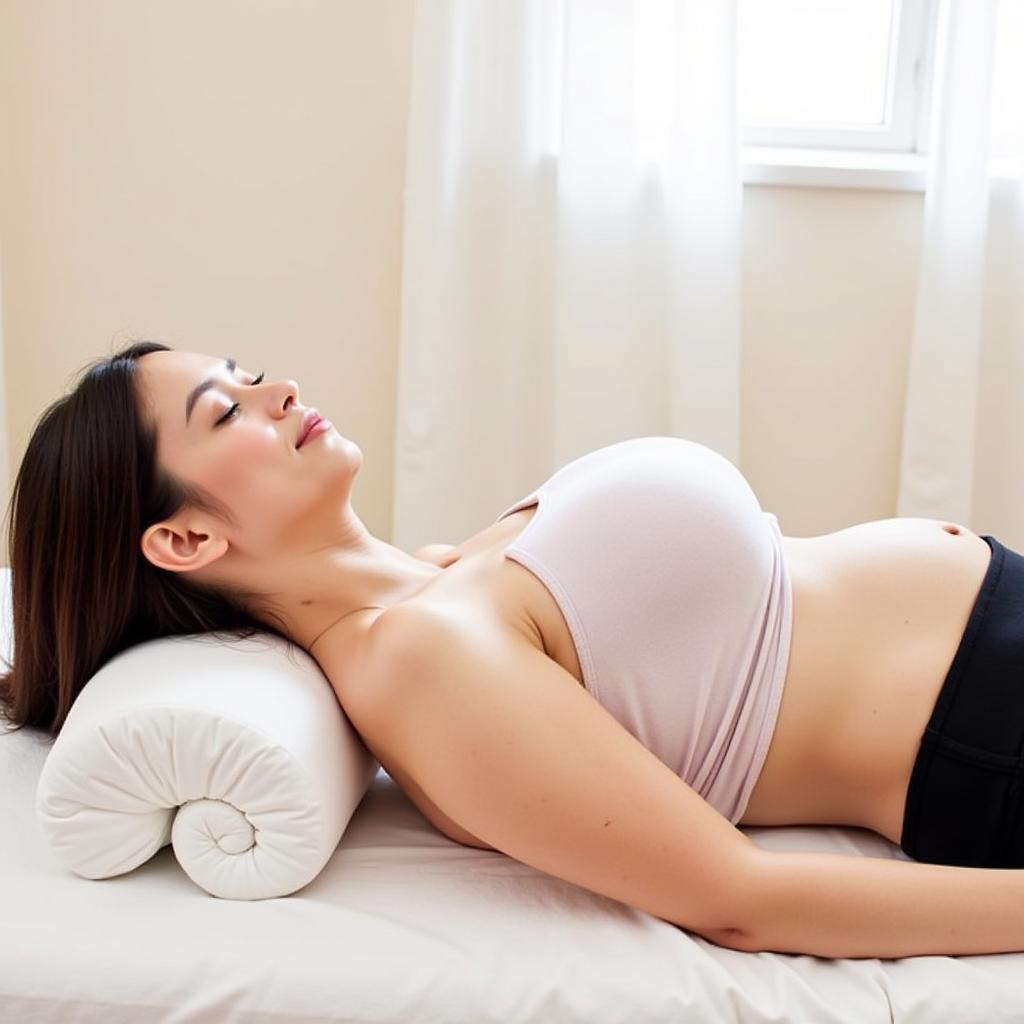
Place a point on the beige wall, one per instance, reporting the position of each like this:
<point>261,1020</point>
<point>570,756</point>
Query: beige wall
<point>120,218</point>
<point>829,286</point>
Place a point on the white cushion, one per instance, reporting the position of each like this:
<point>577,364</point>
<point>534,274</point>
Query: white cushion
<point>234,751</point>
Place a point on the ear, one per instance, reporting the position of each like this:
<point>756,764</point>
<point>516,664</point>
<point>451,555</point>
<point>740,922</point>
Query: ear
<point>174,547</point>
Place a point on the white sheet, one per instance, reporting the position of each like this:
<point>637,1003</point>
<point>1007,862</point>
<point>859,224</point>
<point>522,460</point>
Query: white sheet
<point>405,925</point>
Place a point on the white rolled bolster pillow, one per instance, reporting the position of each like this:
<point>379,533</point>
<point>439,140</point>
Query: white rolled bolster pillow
<point>235,751</point>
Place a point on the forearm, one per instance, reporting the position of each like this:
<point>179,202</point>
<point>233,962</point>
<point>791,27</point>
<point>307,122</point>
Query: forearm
<point>839,906</point>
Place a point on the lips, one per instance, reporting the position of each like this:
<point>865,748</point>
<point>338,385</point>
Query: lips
<point>310,420</point>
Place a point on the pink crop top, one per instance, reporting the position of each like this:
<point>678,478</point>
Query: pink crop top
<point>673,584</point>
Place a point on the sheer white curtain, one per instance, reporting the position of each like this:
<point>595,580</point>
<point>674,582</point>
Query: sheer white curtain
<point>571,253</point>
<point>966,369</point>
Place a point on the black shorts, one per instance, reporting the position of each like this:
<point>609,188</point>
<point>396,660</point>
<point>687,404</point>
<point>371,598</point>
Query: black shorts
<point>964,803</point>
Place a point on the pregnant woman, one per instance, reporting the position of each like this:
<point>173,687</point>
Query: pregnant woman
<point>627,664</point>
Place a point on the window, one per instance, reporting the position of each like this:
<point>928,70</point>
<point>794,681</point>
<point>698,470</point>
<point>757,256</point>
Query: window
<point>835,74</point>
<point>1007,115</point>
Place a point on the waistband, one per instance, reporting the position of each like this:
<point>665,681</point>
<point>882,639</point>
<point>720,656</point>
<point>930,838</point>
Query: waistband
<point>981,705</point>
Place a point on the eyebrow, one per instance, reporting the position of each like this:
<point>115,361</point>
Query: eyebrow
<point>204,385</point>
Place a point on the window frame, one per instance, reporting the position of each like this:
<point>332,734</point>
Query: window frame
<point>907,96</point>
<point>775,155</point>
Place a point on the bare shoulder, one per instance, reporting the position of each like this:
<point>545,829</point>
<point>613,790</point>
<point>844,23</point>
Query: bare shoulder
<point>417,657</point>
<point>434,676</point>
<point>503,741</point>
<point>414,645</point>
<point>391,689</point>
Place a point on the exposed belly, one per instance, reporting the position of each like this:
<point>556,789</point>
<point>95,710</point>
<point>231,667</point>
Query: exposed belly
<point>879,610</point>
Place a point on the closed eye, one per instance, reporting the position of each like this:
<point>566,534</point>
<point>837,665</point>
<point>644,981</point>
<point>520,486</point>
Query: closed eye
<point>234,408</point>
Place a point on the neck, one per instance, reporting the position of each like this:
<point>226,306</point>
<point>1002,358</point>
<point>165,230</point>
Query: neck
<point>340,618</point>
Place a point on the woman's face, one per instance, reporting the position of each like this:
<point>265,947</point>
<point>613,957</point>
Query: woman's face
<point>237,440</point>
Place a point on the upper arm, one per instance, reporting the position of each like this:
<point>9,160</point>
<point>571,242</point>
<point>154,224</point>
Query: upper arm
<point>508,744</point>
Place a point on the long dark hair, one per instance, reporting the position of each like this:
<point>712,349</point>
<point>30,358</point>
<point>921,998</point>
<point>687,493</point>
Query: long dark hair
<point>88,487</point>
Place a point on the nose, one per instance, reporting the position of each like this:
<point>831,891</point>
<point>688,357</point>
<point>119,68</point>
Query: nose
<point>284,396</point>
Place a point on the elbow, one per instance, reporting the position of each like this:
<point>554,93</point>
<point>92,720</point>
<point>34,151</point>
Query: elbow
<point>748,879</point>
<point>732,938</point>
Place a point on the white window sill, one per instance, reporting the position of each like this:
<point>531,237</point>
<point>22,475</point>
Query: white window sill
<point>840,168</point>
